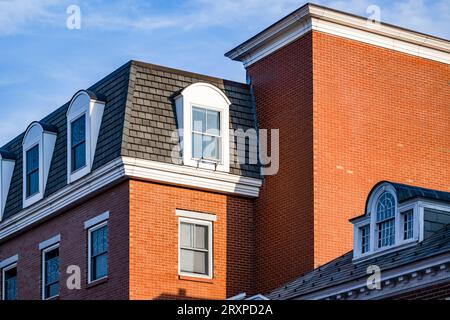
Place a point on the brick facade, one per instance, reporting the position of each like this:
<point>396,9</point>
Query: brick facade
<point>154,243</point>
<point>73,249</point>
<point>362,114</point>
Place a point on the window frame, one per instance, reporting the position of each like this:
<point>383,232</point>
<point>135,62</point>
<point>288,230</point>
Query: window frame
<point>4,270</point>
<point>90,230</point>
<point>219,160</point>
<point>43,273</point>
<point>209,225</point>
<point>38,169</point>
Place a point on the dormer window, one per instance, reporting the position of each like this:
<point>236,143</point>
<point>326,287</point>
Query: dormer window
<point>84,118</point>
<point>386,220</point>
<point>203,120</point>
<point>38,145</point>
<point>7,163</point>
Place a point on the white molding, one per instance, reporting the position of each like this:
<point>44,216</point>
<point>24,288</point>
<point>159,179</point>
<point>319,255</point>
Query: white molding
<point>132,168</point>
<point>192,177</point>
<point>49,242</point>
<point>210,226</point>
<point>96,220</point>
<point>6,173</point>
<point>8,261</point>
<point>196,215</point>
<point>388,275</point>
<point>313,17</point>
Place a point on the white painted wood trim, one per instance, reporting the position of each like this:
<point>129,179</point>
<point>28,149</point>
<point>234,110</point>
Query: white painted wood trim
<point>8,261</point>
<point>313,17</point>
<point>50,242</point>
<point>196,215</point>
<point>96,220</point>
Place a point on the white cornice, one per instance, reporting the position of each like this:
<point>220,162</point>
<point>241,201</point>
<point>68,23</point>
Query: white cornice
<point>313,17</point>
<point>126,167</point>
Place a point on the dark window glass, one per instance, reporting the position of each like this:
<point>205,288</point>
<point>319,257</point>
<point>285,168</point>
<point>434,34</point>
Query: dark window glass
<point>32,171</point>
<point>51,273</point>
<point>99,253</point>
<point>78,143</point>
<point>365,239</point>
<point>10,284</point>
<point>408,225</point>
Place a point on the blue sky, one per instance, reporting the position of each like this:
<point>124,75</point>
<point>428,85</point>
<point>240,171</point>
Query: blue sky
<point>42,62</point>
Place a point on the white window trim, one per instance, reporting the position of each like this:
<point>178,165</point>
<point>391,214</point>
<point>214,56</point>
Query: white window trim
<point>6,172</point>
<point>208,224</point>
<point>96,220</point>
<point>43,252</point>
<point>90,230</point>
<point>46,142</point>
<point>4,270</point>
<point>50,242</point>
<point>93,112</point>
<point>207,96</point>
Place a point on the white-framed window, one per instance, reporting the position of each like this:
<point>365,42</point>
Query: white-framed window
<point>7,163</point>
<point>195,244</point>
<point>9,282</point>
<point>84,118</point>
<point>385,220</point>
<point>98,252</point>
<point>407,223</point>
<point>203,120</point>
<point>38,145</point>
<point>364,238</point>
<point>50,272</point>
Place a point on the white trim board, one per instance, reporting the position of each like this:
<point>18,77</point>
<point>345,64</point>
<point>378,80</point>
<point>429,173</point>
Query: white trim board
<point>9,261</point>
<point>126,167</point>
<point>96,220</point>
<point>313,17</point>
<point>50,242</point>
<point>196,215</point>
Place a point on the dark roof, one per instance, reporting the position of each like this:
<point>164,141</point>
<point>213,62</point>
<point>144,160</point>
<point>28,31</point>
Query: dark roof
<point>7,155</point>
<point>343,270</point>
<point>138,121</point>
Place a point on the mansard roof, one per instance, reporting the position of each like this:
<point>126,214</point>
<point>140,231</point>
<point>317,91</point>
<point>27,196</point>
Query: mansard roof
<point>138,121</point>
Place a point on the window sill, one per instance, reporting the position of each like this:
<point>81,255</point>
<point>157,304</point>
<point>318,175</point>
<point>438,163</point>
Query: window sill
<point>97,282</point>
<point>195,279</point>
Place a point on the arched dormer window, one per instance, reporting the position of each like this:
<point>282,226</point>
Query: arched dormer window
<point>203,120</point>
<point>84,117</point>
<point>38,145</point>
<point>7,162</point>
<point>386,224</point>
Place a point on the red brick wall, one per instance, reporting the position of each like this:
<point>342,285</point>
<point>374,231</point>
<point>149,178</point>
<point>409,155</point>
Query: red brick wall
<point>378,115</point>
<point>282,84</point>
<point>154,243</point>
<point>73,248</point>
<point>350,115</point>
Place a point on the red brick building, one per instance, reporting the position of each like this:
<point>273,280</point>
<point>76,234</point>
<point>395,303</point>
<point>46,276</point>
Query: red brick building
<point>132,190</point>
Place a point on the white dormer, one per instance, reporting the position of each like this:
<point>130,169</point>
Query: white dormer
<point>84,118</point>
<point>38,145</point>
<point>7,162</point>
<point>397,216</point>
<point>203,122</point>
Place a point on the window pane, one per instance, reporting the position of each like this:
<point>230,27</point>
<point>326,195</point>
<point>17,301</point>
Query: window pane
<point>210,147</point>
<point>32,183</point>
<point>79,131</point>
<point>194,261</point>
<point>386,233</point>
<point>10,284</point>
<point>186,235</point>
<point>100,266</point>
<point>199,119</point>
<point>213,122</point>
<point>385,207</point>
<point>79,156</point>
<point>408,225</point>
<point>365,238</point>
<point>201,237</point>
<point>99,241</point>
<point>52,290</point>
<point>33,159</point>
<point>51,280</point>
<point>197,147</point>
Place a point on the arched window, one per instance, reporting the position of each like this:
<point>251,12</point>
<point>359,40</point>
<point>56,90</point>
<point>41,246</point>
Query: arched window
<point>385,220</point>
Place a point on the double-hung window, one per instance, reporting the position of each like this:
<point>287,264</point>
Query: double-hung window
<point>78,145</point>
<point>50,272</point>
<point>195,247</point>
<point>365,239</point>
<point>385,220</point>
<point>206,135</point>
<point>9,283</point>
<point>32,171</point>
<point>408,224</point>
<point>98,252</point>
